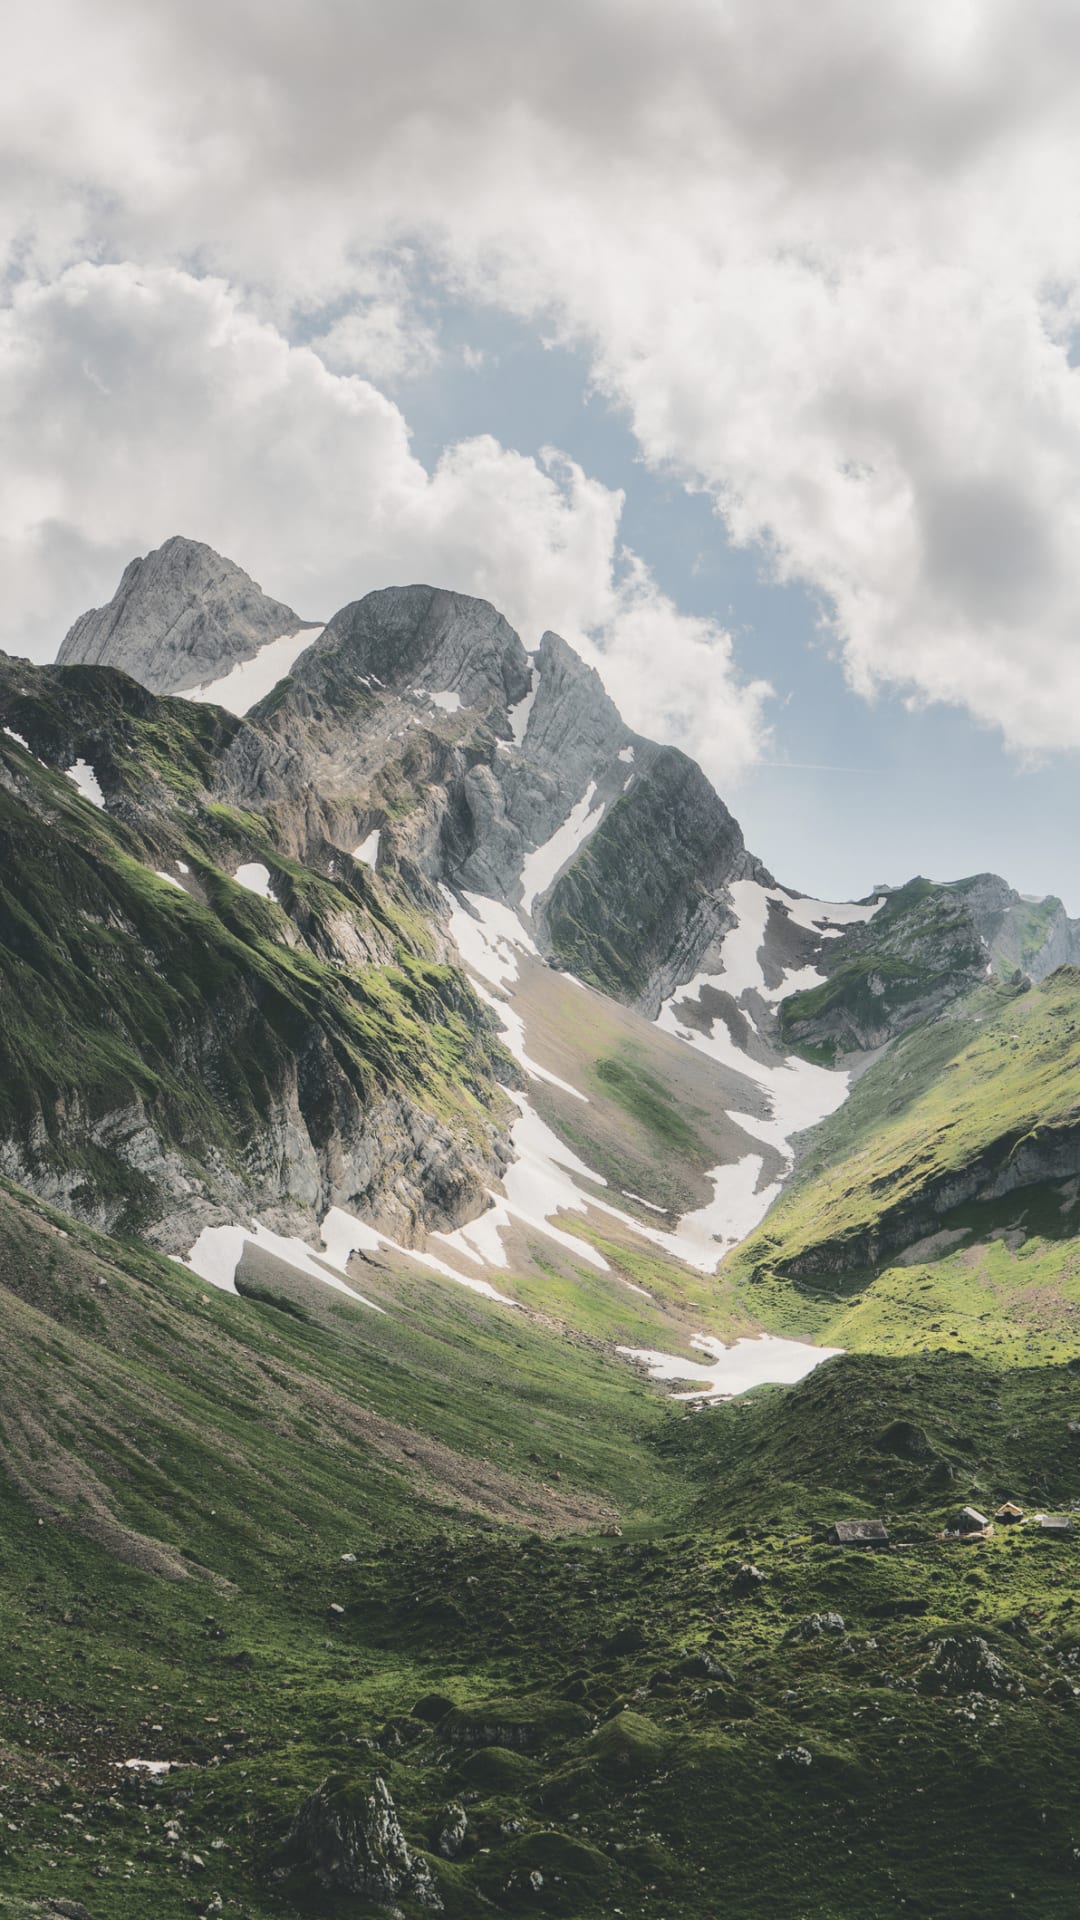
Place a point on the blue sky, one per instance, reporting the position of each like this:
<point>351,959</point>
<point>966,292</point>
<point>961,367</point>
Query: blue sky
<point>243,251</point>
<point>854,791</point>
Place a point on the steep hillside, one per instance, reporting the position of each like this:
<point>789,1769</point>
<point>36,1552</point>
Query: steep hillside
<point>179,617</point>
<point>927,946</point>
<point>190,1022</point>
<point>571,1225</point>
<point>925,1134</point>
<point>267,1541</point>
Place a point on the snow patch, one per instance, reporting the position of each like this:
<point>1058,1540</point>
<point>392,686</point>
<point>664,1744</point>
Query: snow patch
<point>368,850</point>
<point>218,1251</point>
<point>702,1238</point>
<point>82,775</point>
<point>538,1185</point>
<point>799,1093</point>
<point>488,936</point>
<point>518,714</point>
<point>735,1369</point>
<point>514,1033</point>
<point>642,1202</point>
<point>489,939</point>
<point>626,755</point>
<point>249,681</point>
<point>255,877</point>
<point>168,879</point>
<point>816,914</point>
<point>20,742</point>
<point>449,702</point>
<point>543,865</point>
<point>343,1235</point>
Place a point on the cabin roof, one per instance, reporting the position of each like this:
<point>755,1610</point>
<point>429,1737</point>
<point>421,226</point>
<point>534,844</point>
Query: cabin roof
<point>856,1532</point>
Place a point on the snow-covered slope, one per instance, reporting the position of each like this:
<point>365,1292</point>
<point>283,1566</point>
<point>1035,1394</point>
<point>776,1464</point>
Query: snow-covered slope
<point>484,801</point>
<point>249,681</point>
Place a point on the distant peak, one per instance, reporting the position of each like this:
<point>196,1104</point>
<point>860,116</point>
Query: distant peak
<point>181,615</point>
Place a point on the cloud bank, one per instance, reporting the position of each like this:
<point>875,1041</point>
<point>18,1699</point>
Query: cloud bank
<point>826,259</point>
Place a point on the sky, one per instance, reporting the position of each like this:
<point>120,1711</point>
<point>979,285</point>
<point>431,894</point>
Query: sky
<point>735,340</point>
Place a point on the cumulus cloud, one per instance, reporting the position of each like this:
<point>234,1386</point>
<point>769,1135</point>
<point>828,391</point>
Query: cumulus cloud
<point>825,258</point>
<point>135,403</point>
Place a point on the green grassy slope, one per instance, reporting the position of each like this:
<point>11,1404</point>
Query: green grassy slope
<point>920,951</point>
<point>199,1011</point>
<point>183,1472</point>
<point>280,1536</point>
<point>969,1109</point>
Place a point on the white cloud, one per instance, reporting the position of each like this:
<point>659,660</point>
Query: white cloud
<point>138,403</point>
<point>826,257</point>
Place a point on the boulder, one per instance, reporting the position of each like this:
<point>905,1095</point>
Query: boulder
<point>815,1624</point>
<point>702,1666</point>
<point>348,1837</point>
<point>452,1828</point>
<point>432,1707</point>
<point>905,1441</point>
<point>748,1579</point>
<point>967,1665</point>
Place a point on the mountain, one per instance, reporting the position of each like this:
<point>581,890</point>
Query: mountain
<point>180,616</point>
<point>467,1234</point>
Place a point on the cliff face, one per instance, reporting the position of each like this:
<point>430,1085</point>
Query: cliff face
<point>419,715</point>
<point>193,1027</point>
<point>312,1043</point>
<point>181,616</point>
<point>926,946</point>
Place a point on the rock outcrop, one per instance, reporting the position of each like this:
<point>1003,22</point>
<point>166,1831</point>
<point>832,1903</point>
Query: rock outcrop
<point>348,1838</point>
<point>967,1665</point>
<point>419,713</point>
<point>181,616</point>
<point>927,945</point>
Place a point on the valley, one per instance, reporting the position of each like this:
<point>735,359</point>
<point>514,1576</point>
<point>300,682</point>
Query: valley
<point>467,1235</point>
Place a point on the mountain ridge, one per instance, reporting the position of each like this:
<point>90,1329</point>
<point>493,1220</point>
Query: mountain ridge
<point>179,614</point>
<point>569,1226</point>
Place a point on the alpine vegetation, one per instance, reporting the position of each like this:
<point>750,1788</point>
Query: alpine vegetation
<point>505,1301</point>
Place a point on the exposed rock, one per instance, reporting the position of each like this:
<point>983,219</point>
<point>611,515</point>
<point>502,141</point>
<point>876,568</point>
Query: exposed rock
<point>432,1707</point>
<point>627,1639</point>
<point>816,1624</point>
<point>919,952</point>
<point>181,616</point>
<point>747,1579</point>
<point>704,1666</point>
<point>966,1665</point>
<point>348,1837</point>
<point>521,1728</point>
<point>906,1440</point>
<point>647,895</point>
<point>453,1827</point>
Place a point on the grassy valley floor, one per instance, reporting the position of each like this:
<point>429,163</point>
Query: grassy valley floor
<point>275,1543</point>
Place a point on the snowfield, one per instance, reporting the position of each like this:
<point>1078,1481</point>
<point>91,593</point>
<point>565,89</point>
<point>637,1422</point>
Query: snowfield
<point>249,681</point>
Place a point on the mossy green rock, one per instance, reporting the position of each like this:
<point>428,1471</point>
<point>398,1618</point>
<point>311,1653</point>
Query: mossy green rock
<point>524,1726</point>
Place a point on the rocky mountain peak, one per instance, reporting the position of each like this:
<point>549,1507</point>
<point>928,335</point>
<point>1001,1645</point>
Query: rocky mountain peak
<point>417,640</point>
<point>181,616</point>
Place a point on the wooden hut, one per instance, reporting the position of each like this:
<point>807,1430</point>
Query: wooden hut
<point>859,1533</point>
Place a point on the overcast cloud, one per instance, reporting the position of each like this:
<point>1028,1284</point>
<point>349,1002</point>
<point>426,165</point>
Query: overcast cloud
<point>826,258</point>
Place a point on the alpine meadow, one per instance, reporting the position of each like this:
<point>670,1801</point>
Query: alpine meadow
<point>539,1357</point>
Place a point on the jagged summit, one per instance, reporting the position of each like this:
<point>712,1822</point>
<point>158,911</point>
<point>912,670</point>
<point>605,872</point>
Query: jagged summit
<point>419,639</point>
<point>182,615</point>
